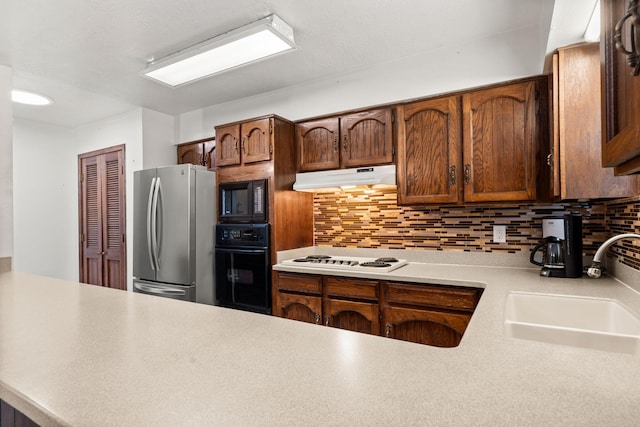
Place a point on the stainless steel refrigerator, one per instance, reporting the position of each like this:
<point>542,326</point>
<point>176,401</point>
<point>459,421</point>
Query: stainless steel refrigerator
<point>174,232</point>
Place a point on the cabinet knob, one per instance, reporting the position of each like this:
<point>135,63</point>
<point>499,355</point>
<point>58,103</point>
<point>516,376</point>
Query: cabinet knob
<point>467,174</point>
<point>387,330</point>
<point>452,175</point>
<point>344,143</point>
<point>244,145</point>
<point>326,320</point>
<point>550,159</point>
<point>336,144</point>
<point>236,145</point>
<point>318,318</point>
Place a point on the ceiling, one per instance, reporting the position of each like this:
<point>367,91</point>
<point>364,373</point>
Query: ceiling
<point>88,54</point>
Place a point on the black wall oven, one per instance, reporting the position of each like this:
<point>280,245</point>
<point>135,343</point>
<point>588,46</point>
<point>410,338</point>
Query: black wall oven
<point>243,268</point>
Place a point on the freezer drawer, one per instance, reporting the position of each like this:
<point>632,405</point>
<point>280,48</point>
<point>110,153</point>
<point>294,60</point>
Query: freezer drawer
<point>186,293</point>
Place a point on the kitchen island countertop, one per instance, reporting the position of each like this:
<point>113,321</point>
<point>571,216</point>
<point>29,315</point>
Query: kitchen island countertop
<point>80,355</point>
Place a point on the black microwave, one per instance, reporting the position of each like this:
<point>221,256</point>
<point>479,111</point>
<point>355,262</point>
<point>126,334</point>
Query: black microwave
<point>243,202</point>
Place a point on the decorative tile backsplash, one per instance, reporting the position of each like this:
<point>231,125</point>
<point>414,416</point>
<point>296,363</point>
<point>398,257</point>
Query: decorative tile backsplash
<point>372,219</point>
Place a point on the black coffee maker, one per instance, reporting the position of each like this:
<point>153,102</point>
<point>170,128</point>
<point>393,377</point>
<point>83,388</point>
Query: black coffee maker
<point>561,246</point>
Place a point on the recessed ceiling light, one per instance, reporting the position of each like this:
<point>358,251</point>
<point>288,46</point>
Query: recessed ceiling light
<point>29,98</point>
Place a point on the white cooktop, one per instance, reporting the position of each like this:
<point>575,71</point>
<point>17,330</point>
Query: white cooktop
<point>382,265</point>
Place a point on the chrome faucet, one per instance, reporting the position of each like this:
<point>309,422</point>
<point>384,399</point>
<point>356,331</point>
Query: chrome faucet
<point>595,269</point>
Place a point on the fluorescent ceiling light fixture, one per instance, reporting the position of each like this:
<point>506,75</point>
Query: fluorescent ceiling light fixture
<point>29,98</point>
<point>259,40</point>
<point>592,33</point>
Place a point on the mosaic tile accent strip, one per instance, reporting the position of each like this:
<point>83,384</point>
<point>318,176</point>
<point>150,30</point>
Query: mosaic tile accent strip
<point>372,219</point>
<point>623,216</point>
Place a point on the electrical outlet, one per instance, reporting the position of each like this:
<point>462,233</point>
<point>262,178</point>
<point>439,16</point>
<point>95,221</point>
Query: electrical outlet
<point>499,234</point>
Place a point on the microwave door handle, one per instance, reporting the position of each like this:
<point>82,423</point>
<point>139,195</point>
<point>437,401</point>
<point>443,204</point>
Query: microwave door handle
<point>149,228</point>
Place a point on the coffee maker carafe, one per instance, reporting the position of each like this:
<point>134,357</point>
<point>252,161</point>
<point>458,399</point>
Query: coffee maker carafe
<point>561,246</point>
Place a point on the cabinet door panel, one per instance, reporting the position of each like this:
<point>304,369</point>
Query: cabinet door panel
<point>367,138</point>
<point>429,151</point>
<point>353,316</point>
<point>425,327</point>
<point>209,154</point>
<point>256,141</point>
<point>228,145</point>
<point>499,135</point>
<point>318,145</point>
<point>621,96</point>
<point>305,308</point>
<point>190,153</point>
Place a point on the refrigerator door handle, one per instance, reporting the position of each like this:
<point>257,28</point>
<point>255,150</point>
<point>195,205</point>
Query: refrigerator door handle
<point>149,226</point>
<point>157,291</point>
<point>154,224</point>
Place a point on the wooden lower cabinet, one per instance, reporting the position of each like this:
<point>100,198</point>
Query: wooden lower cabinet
<point>436,328</point>
<point>422,313</point>
<point>306,308</point>
<point>352,315</point>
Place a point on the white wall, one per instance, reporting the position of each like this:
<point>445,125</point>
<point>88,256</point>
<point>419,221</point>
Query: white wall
<point>158,145</point>
<point>45,200</point>
<point>481,62</point>
<point>6,162</point>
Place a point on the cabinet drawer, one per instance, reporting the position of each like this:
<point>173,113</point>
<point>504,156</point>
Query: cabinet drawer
<point>452,297</point>
<point>352,288</point>
<point>300,283</point>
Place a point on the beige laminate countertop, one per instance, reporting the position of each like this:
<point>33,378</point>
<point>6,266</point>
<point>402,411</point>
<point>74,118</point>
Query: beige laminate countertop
<point>80,355</point>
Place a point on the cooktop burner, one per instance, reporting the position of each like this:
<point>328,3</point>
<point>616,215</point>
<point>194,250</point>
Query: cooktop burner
<point>384,264</point>
<point>375,263</point>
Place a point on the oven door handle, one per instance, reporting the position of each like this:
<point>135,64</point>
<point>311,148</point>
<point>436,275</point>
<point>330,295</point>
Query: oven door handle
<point>242,251</point>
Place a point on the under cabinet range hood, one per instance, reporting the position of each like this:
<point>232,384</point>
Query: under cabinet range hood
<point>341,179</point>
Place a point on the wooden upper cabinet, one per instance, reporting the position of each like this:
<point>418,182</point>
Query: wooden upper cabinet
<point>318,145</point>
<point>228,141</point>
<point>429,151</point>
<point>256,140</point>
<point>200,152</point>
<point>574,161</point>
<point>620,94</point>
<point>353,140</point>
<point>499,133</point>
<point>209,153</point>
<point>244,143</point>
<point>190,153</point>
<point>367,138</point>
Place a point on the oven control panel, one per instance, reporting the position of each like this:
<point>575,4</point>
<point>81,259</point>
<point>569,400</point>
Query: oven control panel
<point>234,235</point>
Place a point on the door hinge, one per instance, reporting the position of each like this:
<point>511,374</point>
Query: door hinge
<point>81,177</point>
<point>123,238</point>
<point>270,148</point>
<point>82,238</point>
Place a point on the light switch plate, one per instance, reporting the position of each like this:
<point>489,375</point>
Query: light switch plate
<point>499,234</point>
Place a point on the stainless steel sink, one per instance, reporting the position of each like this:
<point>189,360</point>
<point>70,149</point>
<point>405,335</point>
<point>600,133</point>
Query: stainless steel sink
<point>596,323</point>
